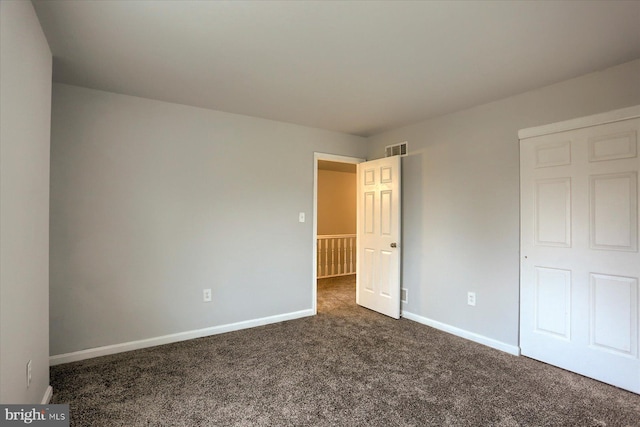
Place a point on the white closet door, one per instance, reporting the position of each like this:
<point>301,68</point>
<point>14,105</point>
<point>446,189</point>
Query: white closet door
<point>579,246</point>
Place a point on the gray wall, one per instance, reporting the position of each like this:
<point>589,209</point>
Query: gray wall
<point>152,202</point>
<point>25,112</point>
<point>461,198</point>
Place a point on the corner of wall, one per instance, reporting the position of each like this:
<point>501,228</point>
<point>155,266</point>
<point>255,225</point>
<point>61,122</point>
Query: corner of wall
<point>25,113</point>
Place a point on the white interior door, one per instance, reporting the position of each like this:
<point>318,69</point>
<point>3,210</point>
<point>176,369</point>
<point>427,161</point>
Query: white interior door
<point>378,241</point>
<point>580,261</point>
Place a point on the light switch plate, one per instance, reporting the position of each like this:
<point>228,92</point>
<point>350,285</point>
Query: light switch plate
<point>301,217</point>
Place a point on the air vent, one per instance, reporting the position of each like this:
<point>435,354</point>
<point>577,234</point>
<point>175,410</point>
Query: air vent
<point>396,150</point>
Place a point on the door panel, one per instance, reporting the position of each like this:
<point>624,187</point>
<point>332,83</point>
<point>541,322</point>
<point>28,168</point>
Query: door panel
<point>613,208</point>
<point>386,260</point>
<point>365,275</point>
<point>553,302</point>
<point>378,276</point>
<point>621,145</point>
<point>579,244</point>
<point>614,313</point>
<point>553,212</point>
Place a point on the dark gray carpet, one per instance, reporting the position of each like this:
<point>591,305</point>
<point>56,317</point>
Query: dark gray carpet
<point>347,366</point>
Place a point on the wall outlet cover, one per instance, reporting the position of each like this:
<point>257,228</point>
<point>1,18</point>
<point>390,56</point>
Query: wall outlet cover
<point>471,298</point>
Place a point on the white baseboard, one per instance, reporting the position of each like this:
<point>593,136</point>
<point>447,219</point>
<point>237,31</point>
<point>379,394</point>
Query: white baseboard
<point>48,394</point>
<point>472,336</point>
<point>167,339</point>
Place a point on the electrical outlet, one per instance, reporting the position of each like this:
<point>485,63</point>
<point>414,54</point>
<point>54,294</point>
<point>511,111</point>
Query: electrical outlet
<point>206,295</point>
<point>301,217</point>
<point>28,373</point>
<point>404,294</point>
<point>471,298</point>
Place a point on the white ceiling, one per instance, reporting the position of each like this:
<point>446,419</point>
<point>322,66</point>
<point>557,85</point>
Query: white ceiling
<point>353,66</point>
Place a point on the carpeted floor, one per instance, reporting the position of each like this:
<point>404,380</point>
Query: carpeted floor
<point>347,366</point>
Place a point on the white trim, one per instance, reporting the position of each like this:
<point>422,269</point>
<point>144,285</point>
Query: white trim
<point>331,158</point>
<point>472,336</point>
<point>581,122</point>
<point>167,339</point>
<point>48,394</point>
<point>337,158</point>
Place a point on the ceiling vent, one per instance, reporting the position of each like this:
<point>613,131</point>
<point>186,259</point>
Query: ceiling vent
<point>396,150</point>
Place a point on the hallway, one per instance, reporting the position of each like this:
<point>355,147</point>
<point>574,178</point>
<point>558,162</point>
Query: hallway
<point>337,293</point>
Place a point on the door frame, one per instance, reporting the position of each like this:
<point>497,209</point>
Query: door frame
<point>331,158</point>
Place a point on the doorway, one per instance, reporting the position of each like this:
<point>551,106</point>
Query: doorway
<point>334,219</point>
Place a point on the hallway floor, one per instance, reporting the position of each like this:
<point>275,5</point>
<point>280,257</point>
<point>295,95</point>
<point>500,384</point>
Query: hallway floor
<point>336,292</point>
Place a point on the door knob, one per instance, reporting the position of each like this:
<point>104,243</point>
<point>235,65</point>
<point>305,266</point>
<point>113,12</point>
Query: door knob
<point>394,245</point>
